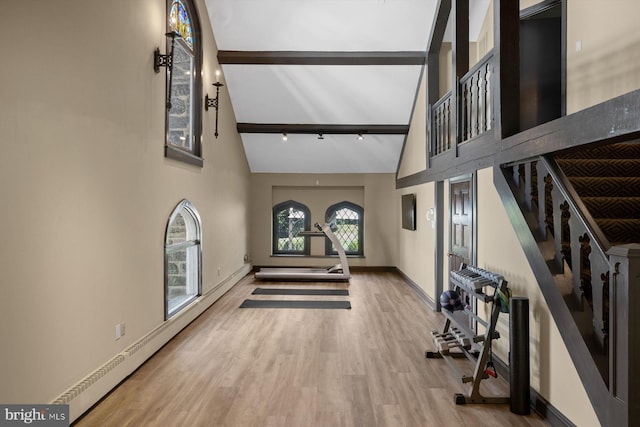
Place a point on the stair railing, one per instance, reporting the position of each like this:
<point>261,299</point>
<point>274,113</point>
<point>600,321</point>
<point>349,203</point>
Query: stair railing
<point>571,243</point>
<point>586,246</point>
<point>552,210</point>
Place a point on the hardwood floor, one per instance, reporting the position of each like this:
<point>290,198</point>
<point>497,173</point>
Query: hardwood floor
<point>304,367</point>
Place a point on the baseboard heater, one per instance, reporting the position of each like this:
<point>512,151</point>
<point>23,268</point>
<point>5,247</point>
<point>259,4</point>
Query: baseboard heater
<point>87,392</point>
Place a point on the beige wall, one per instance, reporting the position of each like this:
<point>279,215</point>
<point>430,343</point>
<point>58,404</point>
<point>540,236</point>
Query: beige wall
<point>416,255</point>
<point>552,372</point>
<point>445,64</point>
<point>380,201</point>
<point>414,155</point>
<point>603,51</point>
<point>86,191</point>
<point>485,37</point>
<point>528,3</point>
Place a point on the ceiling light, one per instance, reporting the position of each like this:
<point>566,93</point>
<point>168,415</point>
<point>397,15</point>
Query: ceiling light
<point>320,136</point>
<point>284,136</point>
<point>360,137</point>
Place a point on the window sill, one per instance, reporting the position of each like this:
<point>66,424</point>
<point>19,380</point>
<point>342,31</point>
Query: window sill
<point>183,156</point>
<point>312,256</point>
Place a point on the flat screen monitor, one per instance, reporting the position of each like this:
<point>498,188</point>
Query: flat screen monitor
<point>409,211</point>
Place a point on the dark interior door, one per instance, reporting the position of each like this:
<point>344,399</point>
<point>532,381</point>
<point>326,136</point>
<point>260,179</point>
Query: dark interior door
<point>461,200</point>
<point>540,68</point>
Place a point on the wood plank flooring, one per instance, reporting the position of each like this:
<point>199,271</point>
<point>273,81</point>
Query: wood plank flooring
<point>364,367</point>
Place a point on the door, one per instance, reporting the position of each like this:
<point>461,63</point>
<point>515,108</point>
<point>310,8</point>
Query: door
<point>462,207</point>
<point>541,62</point>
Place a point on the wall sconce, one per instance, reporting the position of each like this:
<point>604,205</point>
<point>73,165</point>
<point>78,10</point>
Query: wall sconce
<point>160,60</point>
<point>213,102</point>
<point>431,217</point>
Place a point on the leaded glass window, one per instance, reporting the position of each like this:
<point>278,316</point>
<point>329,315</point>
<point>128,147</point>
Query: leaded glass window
<point>184,113</point>
<point>349,220</point>
<point>289,219</point>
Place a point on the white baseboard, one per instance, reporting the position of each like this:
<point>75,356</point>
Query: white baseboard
<point>87,392</point>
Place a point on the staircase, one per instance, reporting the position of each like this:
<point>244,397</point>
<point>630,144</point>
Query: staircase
<point>569,210</point>
<point>607,180</point>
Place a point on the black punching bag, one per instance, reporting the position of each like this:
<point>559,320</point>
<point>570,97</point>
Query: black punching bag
<point>520,400</point>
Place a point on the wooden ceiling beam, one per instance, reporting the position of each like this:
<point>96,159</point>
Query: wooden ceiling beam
<point>325,129</point>
<point>320,58</point>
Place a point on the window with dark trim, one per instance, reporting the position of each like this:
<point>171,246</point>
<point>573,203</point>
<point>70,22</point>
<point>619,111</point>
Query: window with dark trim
<point>184,113</point>
<point>349,220</point>
<point>182,258</point>
<point>289,219</point>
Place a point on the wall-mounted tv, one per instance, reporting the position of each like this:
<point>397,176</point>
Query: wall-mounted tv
<point>409,211</point>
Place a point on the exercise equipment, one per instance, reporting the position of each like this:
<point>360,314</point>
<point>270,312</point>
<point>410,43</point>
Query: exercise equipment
<point>338,272</point>
<point>459,337</point>
<point>450,300</point>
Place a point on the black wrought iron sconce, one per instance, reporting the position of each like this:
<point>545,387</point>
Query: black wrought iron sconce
<point>160,60</point>
<point>214,102</point>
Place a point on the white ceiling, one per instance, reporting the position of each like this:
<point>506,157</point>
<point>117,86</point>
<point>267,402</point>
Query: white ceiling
<point>322,94</point>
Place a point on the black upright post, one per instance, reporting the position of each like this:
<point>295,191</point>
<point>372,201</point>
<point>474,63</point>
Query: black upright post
<point>520,400</point>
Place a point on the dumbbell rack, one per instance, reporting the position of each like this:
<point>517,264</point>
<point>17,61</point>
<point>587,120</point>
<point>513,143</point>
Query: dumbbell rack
<point>460,340</point>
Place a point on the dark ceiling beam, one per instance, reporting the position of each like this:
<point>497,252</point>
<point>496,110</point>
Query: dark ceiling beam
<point>325,129</point>
<point>320,58</point>
<point>443,9</point>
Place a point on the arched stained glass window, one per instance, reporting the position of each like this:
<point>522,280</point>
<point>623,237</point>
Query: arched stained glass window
<point>180,22</point>
<point>184,117</point>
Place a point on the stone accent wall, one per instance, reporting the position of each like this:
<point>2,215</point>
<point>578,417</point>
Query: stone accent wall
<point>177,262</point>
<point>180,120</point>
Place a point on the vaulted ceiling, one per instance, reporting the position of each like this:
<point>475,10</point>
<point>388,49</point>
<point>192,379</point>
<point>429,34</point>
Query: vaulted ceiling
<point>322,71</point>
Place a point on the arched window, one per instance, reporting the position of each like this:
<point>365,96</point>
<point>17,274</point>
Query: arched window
<point>182,258</point>
<point>349,220</point>
<point>289,219</point>
<point>184,117</point>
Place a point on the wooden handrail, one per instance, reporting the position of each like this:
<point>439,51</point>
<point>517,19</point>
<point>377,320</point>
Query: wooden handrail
<point>576,205</point>
<point>481,63</point>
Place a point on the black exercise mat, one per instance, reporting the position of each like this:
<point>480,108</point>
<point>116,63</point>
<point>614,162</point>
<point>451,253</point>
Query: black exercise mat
<point>252,303</point>
<point>281,291</point>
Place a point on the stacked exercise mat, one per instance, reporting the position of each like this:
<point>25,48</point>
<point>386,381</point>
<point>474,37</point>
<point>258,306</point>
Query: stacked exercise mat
<point>314,303</point>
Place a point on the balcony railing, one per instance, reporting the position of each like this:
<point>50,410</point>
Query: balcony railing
<point>474,107</point>
<point>441,125</point>
<point>475,99</point>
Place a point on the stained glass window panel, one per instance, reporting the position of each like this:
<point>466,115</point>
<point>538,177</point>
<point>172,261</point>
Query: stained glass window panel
<point>180,22</point>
